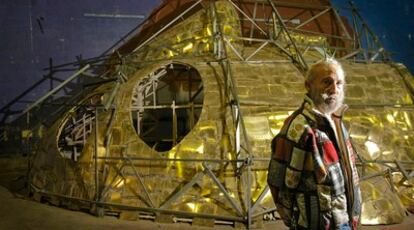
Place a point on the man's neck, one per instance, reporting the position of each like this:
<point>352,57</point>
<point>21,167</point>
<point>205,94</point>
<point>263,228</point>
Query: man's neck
<point>328,118</point>
<point>321,112</point>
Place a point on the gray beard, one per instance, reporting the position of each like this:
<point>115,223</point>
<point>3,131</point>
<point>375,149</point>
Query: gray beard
<point>326,104</point>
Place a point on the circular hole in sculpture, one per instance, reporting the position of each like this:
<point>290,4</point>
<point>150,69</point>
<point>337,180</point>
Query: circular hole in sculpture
<point>76,128</point>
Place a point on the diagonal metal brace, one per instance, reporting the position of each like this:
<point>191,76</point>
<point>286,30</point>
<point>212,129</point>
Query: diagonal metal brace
<point>79,72</point>
<point>301,61</point>
<point>185,188</point>
<point>223,189</point>
<point>402,169</point>
<point>140,181</point>
<point>261,197</point>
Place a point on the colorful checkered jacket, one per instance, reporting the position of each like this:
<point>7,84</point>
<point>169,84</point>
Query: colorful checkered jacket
<point>312,173</point>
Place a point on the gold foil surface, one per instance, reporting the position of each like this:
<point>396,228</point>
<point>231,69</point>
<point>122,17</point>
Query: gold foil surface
<point>129,172</point>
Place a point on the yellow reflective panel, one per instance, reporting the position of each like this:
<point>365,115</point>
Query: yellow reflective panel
<point>119,183</point>
<point>407,195</point>
<point>192,206</point>
<point>385,153</point>
<point>276,121</point>
<point>177,165</point>
<point>227,29</point>
<point>208,31</point>
<point>397,177</point>
<point>355,136</point>
<point>373,168</point>
<point>191,145</point>
<point>116,197</point>
<point>27,133</point>
<point>258,128</point>
<point>101,151</point>
<point>307,39</point>
<point>188,47</point>
<point>380,204</point>
<point>229,156</point>
<point>278,117</point>
<point>390,118</point>
<point>395,113</point>
<point>407,99</point>
<point>231,194</point>
<point>407,120</point>
<point>170,53</point>
<point>373,119</point>
<point>200,149</point>
<point>275,131</point>
<point>171,153</point>
<point>206,47</point>
<point>267,196</point>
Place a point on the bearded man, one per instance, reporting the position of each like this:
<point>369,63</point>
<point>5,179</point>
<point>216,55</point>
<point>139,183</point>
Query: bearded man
<point>312,173</point>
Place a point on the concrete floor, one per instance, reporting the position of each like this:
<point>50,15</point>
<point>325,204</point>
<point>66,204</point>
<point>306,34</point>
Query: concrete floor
<point>20,212</point>
<point>16,212</point>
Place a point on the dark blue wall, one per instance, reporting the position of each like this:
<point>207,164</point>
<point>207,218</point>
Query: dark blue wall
<point>393,23</point>
<point>32,31</point>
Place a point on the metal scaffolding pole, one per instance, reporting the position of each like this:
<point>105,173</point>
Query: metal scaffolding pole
<point>369,33</point>
<point>237,114</point>
<point>301,61</point>
<point>166,26</point>
<point>96,156</point>
<point>222,45</point>
<point>57,88</point>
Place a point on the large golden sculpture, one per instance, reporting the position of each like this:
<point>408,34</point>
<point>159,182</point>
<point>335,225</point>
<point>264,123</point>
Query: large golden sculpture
<point>185,130</point>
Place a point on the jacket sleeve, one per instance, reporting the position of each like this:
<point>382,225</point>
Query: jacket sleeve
<point>355,178</point>
<point>286,165</point>
<point>284,174</point>
<point>275,179</point>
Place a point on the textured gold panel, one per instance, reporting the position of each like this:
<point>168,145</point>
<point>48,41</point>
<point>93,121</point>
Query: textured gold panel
<point>135,174</point>
<point>380,204</point>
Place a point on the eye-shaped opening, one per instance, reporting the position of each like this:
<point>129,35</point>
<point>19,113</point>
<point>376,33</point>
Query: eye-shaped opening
<point>166,105</point>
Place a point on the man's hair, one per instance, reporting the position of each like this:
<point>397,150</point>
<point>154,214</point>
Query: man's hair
<point>325,63</point>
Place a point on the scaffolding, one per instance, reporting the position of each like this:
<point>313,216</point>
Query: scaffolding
<point>271,29</point>
<point>364,44</point>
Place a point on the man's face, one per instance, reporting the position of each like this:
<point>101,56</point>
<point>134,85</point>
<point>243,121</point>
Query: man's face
<point>326,89</point>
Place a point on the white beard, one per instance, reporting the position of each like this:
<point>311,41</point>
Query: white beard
<point>325,103</point>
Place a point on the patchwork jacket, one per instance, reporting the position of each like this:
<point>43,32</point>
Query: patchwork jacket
<point>312,173</point>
